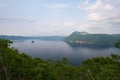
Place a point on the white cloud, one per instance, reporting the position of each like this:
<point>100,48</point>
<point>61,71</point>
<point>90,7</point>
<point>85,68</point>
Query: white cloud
<point>102,15</point>
<point>95,17</point>
<point>99,17</point>
<point>83,5</point>
<point>108,7</point>
<point>99,5</point>
<point>102,11</point>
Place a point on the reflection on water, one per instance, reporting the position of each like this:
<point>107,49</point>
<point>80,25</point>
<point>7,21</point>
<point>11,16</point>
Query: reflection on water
<point>56,50</point>
<point>74,45</point>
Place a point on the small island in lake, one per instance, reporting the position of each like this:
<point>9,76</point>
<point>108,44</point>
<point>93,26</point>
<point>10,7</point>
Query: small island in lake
<point>32,41</point>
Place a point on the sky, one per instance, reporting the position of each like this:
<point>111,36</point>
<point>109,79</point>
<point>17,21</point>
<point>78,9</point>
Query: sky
<point>58,17</point>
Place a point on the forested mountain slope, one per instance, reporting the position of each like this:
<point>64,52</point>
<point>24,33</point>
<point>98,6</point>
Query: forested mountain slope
<point>87,38</point>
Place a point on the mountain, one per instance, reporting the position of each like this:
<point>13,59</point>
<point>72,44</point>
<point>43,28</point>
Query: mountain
<point>39,38</point>
<point>12,37</point>
<point>87,38</point>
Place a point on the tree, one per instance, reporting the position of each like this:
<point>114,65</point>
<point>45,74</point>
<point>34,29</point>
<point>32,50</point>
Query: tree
<point>19,66</point>
<point>5,43</point>
<point>117,44</point>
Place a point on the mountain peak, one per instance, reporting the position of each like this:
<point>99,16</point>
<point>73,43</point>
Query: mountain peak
<point>84,33</point>
<point>76,32</point>
<point>80,33</point>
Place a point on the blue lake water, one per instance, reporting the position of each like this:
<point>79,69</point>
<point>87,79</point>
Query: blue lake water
<point>56,50</point>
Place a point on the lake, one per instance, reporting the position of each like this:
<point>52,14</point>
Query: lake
<point>56,50</point>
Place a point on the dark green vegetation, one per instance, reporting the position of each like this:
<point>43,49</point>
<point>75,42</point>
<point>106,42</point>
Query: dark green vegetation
<point>19,66</point>
<point>97,39</point>
<point>117,44</point>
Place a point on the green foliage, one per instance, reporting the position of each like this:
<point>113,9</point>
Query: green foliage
<point>100,68</point>
<point>117,44</point>
<point>5,43</point>
<point>19,66</point>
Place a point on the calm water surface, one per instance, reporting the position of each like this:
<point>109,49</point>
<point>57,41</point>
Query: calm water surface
<point>56,50</point>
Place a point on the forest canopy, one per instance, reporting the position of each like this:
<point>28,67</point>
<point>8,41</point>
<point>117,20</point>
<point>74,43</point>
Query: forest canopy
<point>20,66</point>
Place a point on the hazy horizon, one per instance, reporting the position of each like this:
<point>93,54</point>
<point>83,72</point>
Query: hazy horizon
<point>54,34</point>
<point>59,17</point>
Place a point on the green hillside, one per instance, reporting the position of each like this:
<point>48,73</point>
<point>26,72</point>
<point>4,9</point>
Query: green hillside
<point>87,38</point>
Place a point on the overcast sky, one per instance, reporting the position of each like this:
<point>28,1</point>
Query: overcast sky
<point>58,17</point>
